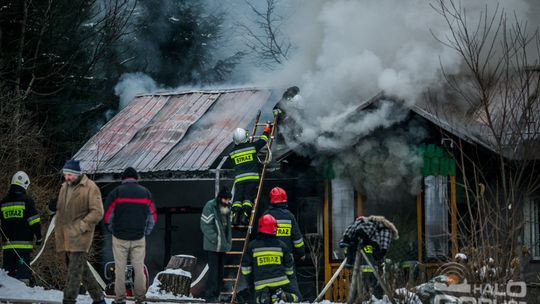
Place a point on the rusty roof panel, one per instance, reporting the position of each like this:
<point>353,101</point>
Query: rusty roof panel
<point>117,133</point>
<point>163,132</point>
<point>207,139</point>
<point>172,131</point>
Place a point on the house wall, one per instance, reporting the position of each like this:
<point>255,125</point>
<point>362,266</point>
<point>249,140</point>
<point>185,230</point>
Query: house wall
<point>186,237</point>
<point>305,200</point>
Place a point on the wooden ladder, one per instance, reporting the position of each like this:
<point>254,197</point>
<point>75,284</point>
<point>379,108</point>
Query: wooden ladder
<point>244,241</point>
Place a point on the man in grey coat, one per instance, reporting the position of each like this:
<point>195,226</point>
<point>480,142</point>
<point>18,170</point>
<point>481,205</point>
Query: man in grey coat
<point>216,228</point>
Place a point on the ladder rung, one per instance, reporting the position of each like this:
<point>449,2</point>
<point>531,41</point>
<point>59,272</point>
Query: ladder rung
<point>233,252</point>
<point>240,227</point>
<point>226,292</point>
<point>231,266</point>
<point>229,279</point>
<point>238,239</point>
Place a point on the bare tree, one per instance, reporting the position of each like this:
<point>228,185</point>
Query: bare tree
<point>266,41</point>
<point>499,83</point>
<point>314,245</point>
<point>47,47</point>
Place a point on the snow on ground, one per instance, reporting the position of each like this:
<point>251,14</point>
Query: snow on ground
<point>13,289</point>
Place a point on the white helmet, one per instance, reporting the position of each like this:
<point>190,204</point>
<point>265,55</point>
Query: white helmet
<point>21,179</point>
<point>240,136</point>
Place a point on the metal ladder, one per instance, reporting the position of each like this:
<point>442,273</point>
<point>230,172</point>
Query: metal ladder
<point>245,240</point>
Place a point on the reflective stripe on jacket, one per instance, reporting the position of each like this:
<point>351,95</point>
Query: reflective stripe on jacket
<point>19,219</point>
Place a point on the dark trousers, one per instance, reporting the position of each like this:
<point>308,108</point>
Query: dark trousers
<point>17,266</point>
<point>264,295</point>
<point>78,271</point>
<point>214,284</point>
<point>244,198</point>
<point>294,285</point>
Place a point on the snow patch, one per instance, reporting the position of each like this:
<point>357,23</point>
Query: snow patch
<point>13,289</point>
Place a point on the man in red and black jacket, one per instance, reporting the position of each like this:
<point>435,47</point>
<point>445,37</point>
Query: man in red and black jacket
<point>130,216</point>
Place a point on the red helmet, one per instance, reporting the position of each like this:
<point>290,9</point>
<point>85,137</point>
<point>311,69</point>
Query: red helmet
<point>278,195</point>
<point>267,224</point>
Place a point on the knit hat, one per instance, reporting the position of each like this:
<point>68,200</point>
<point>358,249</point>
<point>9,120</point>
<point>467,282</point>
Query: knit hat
<point>130,172</point>
<point>224,193</point>
<point>72,167</point>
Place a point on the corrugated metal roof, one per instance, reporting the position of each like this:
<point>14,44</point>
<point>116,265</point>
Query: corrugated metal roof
<point>172,131</point>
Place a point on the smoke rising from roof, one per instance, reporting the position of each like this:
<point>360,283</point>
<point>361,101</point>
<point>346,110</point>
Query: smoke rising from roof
<point>347,52</point>
<point>132,84</point>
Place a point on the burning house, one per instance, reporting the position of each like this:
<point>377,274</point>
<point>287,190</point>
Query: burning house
<point>178,142</point>
<point>409,169</point>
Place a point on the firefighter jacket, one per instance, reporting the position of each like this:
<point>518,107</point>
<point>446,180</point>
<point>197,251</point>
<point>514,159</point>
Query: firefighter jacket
<point>131,213</point>
<point>244,159</point>
<point>287,231</point>
<point>20,221</point>
<point>79,209</point>
<point>216,228</point>
<point>269,261</point>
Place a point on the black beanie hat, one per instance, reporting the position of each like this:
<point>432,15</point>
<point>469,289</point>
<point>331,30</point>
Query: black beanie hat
<point>130,173</point>
<point>224,193</point>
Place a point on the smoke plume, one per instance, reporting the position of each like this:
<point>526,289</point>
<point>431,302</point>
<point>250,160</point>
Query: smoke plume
<point>132,84</point>
<point>349,51</point>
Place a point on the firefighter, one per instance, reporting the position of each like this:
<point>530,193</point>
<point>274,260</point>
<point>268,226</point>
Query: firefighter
<point>20,226</point>
<point>268,265</point>
<point>372,235</point>
<point>287,228</point>
<point>246,170</point>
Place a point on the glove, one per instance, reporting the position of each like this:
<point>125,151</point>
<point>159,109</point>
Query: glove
<point>39,242</point>
<point>277,112</point>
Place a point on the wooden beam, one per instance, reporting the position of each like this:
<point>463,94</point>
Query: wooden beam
<point>453,216</point>
<point>419,224</point>
<point>326,237</point>
<point>359,204</point>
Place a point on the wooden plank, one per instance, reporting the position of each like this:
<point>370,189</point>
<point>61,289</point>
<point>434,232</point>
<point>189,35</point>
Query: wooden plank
<point>326,236</point>
<point>359,204</point>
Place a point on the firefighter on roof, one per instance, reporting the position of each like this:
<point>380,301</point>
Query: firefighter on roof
<point>246,170</point>
<point>287,228</point>
<point>268,264</point>
<point>20,225</point>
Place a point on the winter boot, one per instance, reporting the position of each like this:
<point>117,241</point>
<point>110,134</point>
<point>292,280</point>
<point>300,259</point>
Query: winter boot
<point>236,216</point>
<point>284,296</point>
<point>264,297</point>
<point>244,219</point>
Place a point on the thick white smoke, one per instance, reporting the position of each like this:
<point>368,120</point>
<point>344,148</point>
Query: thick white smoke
<point>347,52</point>
<point>132,84</point>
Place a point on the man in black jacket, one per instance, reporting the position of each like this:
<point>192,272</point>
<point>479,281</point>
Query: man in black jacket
<point>268,265</point>
<point>20,224</point>
<point>246,171</point>
<point>130,216</point>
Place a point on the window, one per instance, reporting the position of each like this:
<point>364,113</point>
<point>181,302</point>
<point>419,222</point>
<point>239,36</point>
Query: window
<point>436,217</point>
<point>532,227</point>
<point>342,212</point>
